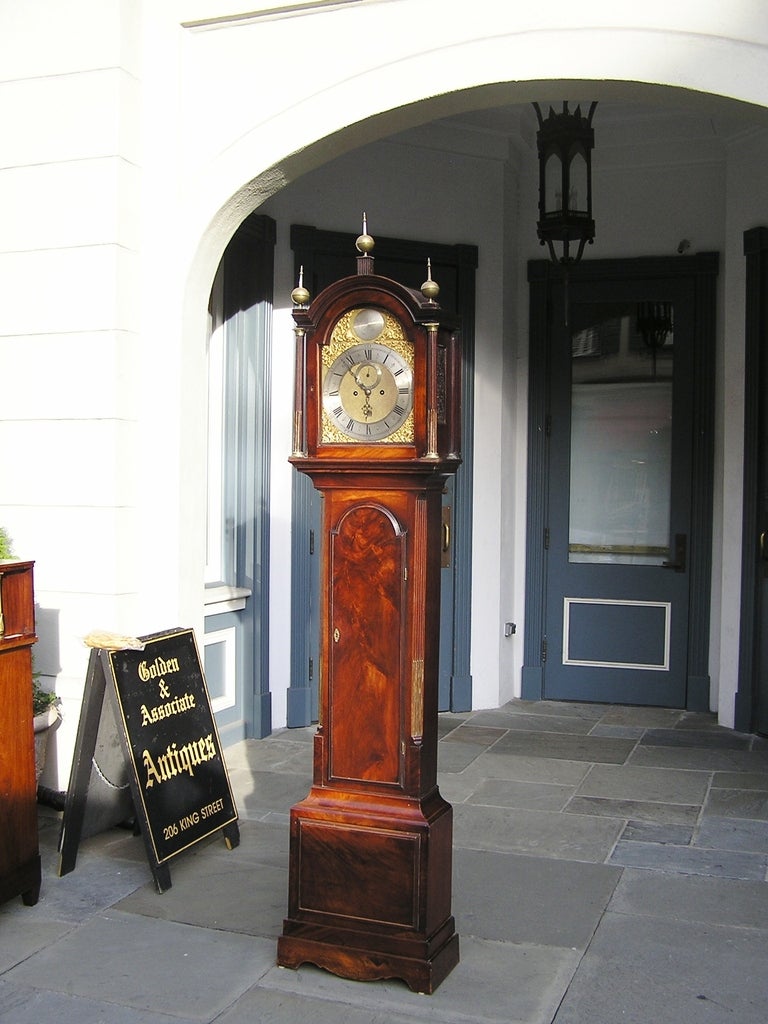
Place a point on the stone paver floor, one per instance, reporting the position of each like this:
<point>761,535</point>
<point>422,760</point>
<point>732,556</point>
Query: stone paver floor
<point>610,866</point>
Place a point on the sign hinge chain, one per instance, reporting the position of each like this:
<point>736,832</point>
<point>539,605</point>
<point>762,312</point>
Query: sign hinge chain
<point>105,780</point>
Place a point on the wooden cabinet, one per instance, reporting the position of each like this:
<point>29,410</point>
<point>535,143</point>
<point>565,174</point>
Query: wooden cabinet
<point>19,851</point>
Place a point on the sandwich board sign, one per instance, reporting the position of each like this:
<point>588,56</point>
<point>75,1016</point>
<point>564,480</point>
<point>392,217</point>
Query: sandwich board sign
<point>176,774</point>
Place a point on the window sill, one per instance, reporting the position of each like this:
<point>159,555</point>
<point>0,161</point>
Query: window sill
<point>223,598</point>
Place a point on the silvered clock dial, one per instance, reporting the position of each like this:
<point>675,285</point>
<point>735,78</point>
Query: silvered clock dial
<point>368,379</point>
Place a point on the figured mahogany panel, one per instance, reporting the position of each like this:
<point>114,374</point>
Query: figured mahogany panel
<point>367,563</point>
<point>359,873</point>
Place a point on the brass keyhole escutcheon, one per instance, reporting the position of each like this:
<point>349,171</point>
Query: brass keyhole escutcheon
<point>336,636</point>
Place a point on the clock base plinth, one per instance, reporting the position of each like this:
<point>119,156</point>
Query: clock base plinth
<point>361,964</point>
<point>370,890</point>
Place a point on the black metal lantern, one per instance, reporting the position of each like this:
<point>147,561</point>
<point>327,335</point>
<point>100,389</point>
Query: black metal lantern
<point>565,142</point>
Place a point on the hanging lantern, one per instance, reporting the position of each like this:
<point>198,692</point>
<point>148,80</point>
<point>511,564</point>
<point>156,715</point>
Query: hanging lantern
<point>565,142</point>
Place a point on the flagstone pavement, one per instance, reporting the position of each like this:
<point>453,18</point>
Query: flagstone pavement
<point>610,866</point>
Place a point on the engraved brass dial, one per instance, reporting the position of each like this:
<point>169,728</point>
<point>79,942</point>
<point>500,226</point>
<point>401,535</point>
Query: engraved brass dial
<point>367,380</point>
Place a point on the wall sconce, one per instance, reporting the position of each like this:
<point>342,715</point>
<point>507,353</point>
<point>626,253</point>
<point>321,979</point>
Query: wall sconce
<point>565,142</point>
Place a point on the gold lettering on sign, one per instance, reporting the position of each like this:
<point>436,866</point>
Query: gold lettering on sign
<point>177,760</point>
<point>159,667</point>
<point>174,707</point>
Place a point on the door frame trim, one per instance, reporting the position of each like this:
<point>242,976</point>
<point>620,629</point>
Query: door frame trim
<point>747,699</point>
<point>543,278</point>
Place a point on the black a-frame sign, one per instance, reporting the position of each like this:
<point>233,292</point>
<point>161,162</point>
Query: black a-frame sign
<point>151,752</point>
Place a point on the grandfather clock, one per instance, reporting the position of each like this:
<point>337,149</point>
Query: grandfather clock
<point>376,428</point>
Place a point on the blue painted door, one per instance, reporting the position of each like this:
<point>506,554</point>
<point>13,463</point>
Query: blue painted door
<point>618,529</point>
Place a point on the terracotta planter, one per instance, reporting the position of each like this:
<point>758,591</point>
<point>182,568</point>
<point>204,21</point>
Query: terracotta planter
<point>43,724</point>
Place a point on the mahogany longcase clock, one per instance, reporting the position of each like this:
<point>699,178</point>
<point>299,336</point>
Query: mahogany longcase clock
<point>377,430</point>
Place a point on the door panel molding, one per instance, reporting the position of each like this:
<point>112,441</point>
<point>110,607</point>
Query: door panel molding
<point>220,656</point>
<point>617,662</point>
<point>701,271</point>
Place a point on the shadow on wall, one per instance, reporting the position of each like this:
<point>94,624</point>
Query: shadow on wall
<point>46,665</point>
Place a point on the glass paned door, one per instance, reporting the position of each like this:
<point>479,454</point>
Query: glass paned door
<point>619,492</point>
<point>621,438</point>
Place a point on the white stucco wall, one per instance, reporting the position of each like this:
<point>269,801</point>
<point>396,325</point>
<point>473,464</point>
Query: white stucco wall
<point>69,329</point>
<point>134,146</point>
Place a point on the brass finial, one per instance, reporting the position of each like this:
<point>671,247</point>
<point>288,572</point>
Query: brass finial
<point>430,289</point>
<point>300,295</point>
<point>364,243</point>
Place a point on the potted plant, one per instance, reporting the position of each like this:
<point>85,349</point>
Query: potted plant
<point>5,544</point>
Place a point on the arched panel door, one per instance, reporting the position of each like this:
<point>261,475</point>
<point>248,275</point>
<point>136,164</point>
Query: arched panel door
<point>367,559</point>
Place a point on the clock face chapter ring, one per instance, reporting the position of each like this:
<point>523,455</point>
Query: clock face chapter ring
<point>367,380</point>
<point>368,392</point>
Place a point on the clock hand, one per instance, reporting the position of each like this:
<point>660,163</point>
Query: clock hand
<point>367,408</point>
